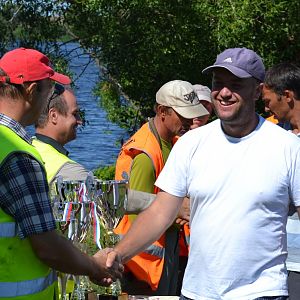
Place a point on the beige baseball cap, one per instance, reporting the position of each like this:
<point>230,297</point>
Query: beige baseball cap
<point>180,95</point>
<point>203,92</point>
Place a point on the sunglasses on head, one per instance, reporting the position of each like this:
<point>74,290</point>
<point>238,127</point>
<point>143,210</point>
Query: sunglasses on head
<point>58,90</point>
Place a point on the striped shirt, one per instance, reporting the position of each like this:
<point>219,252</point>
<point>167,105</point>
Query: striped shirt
<point>24,188</point>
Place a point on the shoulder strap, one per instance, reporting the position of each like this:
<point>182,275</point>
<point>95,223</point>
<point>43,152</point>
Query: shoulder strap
<point>154,131</point>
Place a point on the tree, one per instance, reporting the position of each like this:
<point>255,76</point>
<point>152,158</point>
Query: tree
<point>141,44</point>
<point>34,24</point>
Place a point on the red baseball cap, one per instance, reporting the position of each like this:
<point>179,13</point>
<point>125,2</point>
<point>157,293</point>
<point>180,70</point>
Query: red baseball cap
<point>23,65</point>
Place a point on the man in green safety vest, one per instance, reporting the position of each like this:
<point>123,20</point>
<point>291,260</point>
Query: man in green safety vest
<point>29,244</point>
<point>56,126</point>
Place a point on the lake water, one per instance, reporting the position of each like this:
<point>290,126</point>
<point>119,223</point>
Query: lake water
<point>98,143</point>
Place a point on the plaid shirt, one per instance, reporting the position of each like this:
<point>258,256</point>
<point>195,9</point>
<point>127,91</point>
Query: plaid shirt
<point>24,188</point>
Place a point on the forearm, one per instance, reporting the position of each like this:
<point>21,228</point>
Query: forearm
<point>60,254</point>
<point>149,226</point>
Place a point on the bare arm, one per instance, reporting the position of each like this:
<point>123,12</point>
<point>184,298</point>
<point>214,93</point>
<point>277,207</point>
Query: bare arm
<point>147,228</point>
<point>59,253</point>
<point>183,216</point>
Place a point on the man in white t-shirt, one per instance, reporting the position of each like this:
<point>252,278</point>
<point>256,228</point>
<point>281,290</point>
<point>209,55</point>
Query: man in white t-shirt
<point>239,196</point>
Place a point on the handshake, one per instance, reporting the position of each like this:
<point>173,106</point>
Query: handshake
<point>106,267</point>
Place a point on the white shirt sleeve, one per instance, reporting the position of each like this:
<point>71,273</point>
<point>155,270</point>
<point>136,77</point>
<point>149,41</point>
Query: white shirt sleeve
<point>173,178</point>
<point>73,171</point>
<point>295,179</point>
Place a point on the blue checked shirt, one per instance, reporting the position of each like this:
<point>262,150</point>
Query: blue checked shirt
<point>24,188</point>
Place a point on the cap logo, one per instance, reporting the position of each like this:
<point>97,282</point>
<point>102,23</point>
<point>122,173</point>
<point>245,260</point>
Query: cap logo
<point>190,97</point>
<point>228,60</point>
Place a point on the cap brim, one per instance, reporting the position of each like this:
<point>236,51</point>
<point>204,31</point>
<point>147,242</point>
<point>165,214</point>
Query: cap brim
<point>203,97</point>
<point>191,112</point>
<point>234,70</point>
<point>60,78</point>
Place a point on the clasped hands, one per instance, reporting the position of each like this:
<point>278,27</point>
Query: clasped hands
<point>108,267</point>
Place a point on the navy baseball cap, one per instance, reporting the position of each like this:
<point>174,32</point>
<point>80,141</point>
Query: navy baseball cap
<point>242,62</point>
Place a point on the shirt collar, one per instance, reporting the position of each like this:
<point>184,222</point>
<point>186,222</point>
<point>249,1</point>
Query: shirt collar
<point>52,142</point>
<point>15,127</point>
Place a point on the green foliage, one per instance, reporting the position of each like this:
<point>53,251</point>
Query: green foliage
<point>34,24</point>
<point>105,173</point>
<point>268,27</point>
<point>116,106</point>
<point>141,44</point>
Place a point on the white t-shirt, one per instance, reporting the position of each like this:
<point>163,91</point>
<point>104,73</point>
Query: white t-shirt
<point>239,190</point>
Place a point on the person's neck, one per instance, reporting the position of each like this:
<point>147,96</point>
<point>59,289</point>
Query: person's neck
<point>44,131</point>
<point>240,130</point>
<point>162,130</point>
<point>16,115</point>
<point>295,120</point>
<point>52,142</point>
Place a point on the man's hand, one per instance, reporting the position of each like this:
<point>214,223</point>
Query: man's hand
<point>183,216</point>
<point>106,273</point>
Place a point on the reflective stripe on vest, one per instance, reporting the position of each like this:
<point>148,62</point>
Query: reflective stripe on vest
<point>26,287</point>
<point>7,229</point>
<point>187,238</point>
<point>152,249</point>
<point>156,251</point>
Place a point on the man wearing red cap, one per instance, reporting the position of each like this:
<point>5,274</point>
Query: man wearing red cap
<point>29,243</point>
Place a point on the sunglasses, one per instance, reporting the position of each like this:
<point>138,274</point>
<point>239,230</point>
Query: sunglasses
<point>58,90</point>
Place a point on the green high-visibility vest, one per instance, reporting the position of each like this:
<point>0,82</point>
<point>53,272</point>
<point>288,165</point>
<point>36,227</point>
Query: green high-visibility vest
<point>23,276</point>
<point>53,159</point>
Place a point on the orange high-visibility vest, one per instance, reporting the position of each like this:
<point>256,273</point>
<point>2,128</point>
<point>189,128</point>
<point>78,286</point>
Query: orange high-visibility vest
<point>148,265</point>
<point>184,240</point>
<point>272,119</point>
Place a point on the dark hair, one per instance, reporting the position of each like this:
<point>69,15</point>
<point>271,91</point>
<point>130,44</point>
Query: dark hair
<point>283,76</point>
<point>59,103</point>
<point>168,108</point>
<point>11,90</point>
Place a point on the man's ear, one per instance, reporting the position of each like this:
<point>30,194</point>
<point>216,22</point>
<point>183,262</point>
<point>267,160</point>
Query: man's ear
<point>52,115</point>
<point>289,95</point>
<point>31,91</point>
<point>159,109</point>
<point>258,91</point>
<point>164,110</point>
